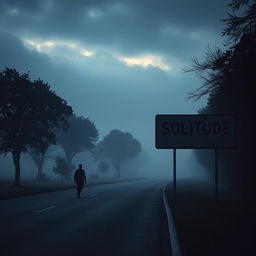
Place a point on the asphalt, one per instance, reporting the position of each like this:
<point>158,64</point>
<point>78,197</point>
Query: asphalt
<point>114,219</point>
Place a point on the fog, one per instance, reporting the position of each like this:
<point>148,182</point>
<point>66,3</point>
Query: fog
<point>154,164</point>
<point>117,63</point>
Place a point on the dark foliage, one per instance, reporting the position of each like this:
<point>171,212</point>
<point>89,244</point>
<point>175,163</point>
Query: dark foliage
<point>80,136</point>
<point>103,167</point>
<point>117,147</point>
<point>28,112</point>
<point>62,167</point>
<point>213,71</point>
<point>230,84</point>
<point>240,25</point>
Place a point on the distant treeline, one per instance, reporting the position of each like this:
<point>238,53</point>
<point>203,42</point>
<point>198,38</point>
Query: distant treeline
<point>230,82</point>
<point>33,118</point>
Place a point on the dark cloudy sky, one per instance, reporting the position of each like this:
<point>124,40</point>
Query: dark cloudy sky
<point>118,62</point>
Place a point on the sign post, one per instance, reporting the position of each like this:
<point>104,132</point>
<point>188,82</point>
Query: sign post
<point>195,132</point>
<point>174,173</point>
<point>216,173</point>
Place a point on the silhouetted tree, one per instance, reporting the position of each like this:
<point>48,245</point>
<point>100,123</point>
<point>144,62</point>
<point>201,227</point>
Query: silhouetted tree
<point>229,81</point>
<point>103,167</point>
<point>219,67</point>
<point>62,167</point>
<point>242,24</point>
<point>81,135</point>
<point>213,71</point>
<point>28,112</point>
<point>117,147</point>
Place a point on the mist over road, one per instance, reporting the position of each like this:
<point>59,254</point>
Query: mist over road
<point>114,219</point>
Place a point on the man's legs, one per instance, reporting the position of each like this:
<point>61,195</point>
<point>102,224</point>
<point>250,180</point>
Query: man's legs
<point>79,189</point>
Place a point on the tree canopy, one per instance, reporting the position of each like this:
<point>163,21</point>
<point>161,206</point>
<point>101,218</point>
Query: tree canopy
<point>29,110</point>
<point>62,167</point>
<point>103,167</point>
<point>243,24</point>
<point>229,81</point>
<point>81,135</point>
<point>117,147</point>
<point>219,67</point>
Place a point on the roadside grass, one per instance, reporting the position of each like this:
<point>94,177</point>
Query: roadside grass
<point>7,189</point>
<point>207,228</point>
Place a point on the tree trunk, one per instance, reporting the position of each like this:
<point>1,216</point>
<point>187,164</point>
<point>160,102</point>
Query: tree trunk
<point>40,165</point>
<point>117,171</point>
<point>38,158</point>
<point>69,158</point>
<point>16,161</point>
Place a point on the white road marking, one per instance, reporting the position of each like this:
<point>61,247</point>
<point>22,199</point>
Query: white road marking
<point>45,209</point>
<point>91,195</point>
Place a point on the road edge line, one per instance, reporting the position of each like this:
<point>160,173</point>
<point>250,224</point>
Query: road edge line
<point>175,248</point>
<point>45,209</point>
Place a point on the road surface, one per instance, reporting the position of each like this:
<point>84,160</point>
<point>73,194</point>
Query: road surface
<point>121,219</point>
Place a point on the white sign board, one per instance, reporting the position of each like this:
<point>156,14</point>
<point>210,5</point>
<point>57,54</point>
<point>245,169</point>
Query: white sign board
<point>195,131</point>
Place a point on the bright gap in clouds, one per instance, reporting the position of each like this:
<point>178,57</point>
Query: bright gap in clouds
<point>87,53</point>
<point>50,47</point>
<point>47,46</point>
<point>146,61</point>
<point>38,45</point>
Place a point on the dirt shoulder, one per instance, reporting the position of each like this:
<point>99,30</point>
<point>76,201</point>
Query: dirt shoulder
<point>207,228</point>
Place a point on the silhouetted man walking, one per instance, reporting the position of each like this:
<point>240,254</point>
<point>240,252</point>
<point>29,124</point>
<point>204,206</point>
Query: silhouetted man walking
<point>80,179</point>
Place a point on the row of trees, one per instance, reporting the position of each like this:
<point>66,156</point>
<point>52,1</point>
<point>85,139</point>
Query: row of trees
<point>33,117</point>
<point>115,149</point>
<point>229,81</point>
<point>82,135</point>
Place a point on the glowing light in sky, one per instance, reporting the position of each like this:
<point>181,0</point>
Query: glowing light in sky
<point>146,61</point>
<point>45,46</point>
<point>40,45</point>
<point>50,47</point>
<point>87,53</point>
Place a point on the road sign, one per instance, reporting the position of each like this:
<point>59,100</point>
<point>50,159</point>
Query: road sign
<point>195,131</point>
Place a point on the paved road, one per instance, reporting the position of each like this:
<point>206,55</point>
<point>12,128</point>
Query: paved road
<point>115,219</point>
